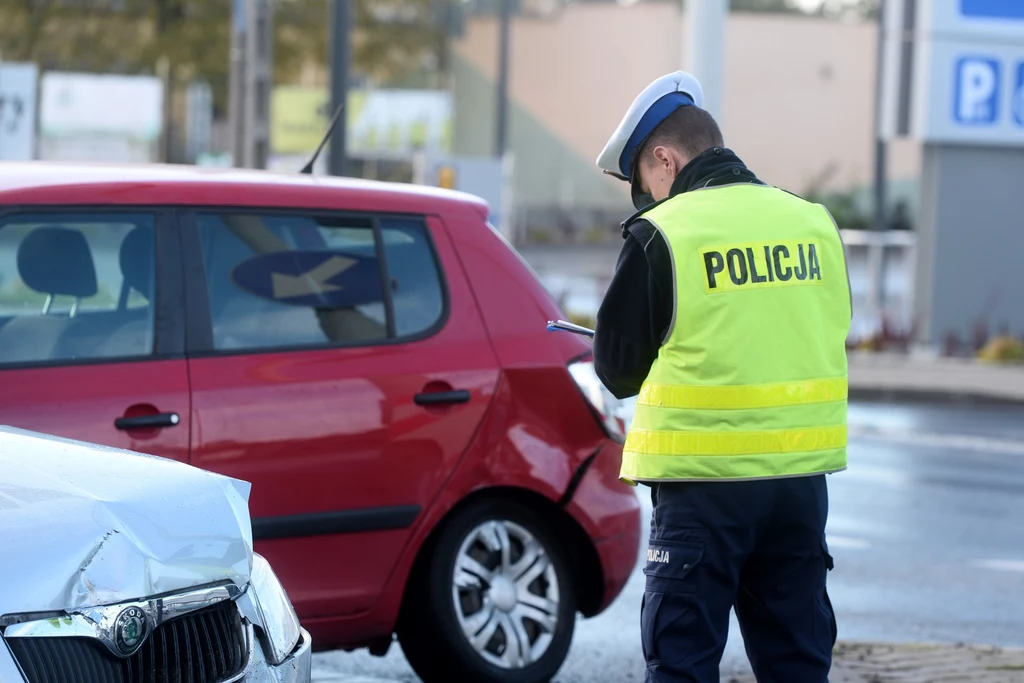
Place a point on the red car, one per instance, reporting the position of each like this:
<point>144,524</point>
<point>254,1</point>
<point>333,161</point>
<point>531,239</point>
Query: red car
<point>426,458</point>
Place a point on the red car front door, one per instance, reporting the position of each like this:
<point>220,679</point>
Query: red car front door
<point>87,349</point>
<point>338,363</point>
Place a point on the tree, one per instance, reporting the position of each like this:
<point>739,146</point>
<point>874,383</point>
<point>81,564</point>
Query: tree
<point>392,37</point>
<point>394,42</point>
<point>864,8</point>
<point>761,6</point>
<point>125,37</point>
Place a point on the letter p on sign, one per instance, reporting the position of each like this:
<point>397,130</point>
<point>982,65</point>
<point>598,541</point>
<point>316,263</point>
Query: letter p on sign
<point>977,91</point>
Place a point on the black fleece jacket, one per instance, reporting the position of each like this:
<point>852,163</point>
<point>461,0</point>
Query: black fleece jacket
<point>637,308</point>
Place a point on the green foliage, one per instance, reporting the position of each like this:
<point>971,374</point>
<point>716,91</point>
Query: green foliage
<point>92,37</point>
<point>392,38</point>
<point>864,8</point>
<point>18,294</point>
<point>761,6</point>
<point>541,236</point>
<point>848,213</point>
<point>399,40</point>
<point>395,42</point>
<point>587,321</point>
<point>1002,349</point>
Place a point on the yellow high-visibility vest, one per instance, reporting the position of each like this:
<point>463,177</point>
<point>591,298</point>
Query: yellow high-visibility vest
<point>751,380</point>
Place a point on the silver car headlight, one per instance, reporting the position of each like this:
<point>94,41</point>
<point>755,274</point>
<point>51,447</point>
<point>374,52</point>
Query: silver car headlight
<point>275,614</point>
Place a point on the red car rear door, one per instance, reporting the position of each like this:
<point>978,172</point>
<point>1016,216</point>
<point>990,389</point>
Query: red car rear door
<point>338,363</point>
<point>91,338</point>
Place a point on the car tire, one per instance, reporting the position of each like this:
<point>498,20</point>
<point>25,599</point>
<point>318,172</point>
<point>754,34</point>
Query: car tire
<point>468,584</point>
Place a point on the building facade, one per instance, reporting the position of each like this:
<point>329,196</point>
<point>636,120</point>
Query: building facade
<point>798,103</point>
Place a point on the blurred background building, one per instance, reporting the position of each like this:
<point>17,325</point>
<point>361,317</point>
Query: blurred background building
<point>248,83</point>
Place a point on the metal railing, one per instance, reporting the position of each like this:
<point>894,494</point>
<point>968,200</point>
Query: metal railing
<point>882,266</point>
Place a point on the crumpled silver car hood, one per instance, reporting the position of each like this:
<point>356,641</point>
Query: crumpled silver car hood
<point>84,525</point>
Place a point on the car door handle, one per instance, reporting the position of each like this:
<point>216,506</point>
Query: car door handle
<point>433,398</point>
<point>147,421</point>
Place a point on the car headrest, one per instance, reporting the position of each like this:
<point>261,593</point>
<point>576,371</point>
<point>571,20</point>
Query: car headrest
<point>57,260</point>
<point>136,258</point>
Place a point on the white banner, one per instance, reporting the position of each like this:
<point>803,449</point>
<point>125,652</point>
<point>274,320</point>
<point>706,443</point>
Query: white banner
<point>80,104</point>
<point>18,87</point>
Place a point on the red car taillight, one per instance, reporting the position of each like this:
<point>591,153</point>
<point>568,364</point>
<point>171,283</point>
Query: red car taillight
<point>605,405</point>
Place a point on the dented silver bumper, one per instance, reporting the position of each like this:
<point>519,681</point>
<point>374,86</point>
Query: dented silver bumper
<point>298,668</point>
<point>295,667</point>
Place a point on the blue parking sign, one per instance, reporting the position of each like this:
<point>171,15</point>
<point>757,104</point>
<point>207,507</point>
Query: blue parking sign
<point>977,91</point>
<point>993,9</point>
<point>1018,96</point>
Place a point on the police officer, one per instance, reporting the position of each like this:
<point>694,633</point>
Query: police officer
<point>727,317</point>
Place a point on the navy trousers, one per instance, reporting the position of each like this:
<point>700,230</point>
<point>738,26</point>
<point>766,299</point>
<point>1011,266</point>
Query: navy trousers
<point>758,546</point>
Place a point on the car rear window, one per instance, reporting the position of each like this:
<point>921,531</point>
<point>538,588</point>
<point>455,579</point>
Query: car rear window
<point>292,280</point>
<point>76,286</point>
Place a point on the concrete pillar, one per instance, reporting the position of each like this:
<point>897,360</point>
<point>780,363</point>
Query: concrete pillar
<point>954,80</point>
<point>970,239</point>
<point>704,51</point>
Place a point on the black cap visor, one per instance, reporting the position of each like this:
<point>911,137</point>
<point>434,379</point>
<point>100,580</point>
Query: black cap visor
<point>641,199</point>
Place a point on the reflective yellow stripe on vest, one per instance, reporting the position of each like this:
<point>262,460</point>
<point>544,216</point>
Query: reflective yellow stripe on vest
<point>736,443</point>
<point>739,397</point>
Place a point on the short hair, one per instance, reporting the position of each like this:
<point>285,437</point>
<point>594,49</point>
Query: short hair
<point>689,129</point>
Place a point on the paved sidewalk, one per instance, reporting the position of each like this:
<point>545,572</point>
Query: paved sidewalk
<point>897,376</point>
<point>876,663</point>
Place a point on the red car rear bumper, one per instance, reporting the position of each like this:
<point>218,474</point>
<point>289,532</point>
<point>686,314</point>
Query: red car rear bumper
<point>609,511</point>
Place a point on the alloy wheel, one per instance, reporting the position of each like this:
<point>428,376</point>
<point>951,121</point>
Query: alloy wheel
<point>505,593</point>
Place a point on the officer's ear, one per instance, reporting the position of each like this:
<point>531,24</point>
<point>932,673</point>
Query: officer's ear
<point>661,156</point>
<point>669,158</point>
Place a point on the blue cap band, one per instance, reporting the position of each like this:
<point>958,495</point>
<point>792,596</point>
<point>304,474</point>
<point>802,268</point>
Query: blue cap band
<point>658,112</point>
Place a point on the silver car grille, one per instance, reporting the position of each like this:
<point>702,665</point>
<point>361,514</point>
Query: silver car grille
<point>208,645</point>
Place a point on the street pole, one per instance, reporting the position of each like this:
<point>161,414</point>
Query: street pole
<point>1,93</point>
<point>1,108</point>
<point>236,85</point>
<point>877,254</point>
<point>501,128</point>
<point>704,52</point>
<point>341,30</point>
<point>880,144</point>
<point>251,61</point>
<point>163,70</point>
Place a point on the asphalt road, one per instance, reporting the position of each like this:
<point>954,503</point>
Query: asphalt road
<point>926,526</point>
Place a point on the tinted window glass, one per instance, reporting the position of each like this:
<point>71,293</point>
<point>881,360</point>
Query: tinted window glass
<point>415,281</point>
<point>278,280</point>
<point>76,286</point>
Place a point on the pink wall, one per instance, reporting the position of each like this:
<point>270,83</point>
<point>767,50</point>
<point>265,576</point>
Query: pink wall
<point>799,92</point>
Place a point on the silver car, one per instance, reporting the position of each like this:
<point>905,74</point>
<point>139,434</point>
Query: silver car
<point>122,567</point>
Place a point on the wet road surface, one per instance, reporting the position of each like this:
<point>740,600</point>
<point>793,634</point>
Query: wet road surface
<point>926,527</point>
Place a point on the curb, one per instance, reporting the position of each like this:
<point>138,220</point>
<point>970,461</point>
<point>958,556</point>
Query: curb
<point>891,377</point>
<point>934,396</point>
<point>929,646</point>
<point>872,662</point>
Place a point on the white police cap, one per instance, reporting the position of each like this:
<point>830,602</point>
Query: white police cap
<point>650,108</point>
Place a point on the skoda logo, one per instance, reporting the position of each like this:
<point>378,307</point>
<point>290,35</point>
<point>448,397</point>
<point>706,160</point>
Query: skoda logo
<point>129,630</point>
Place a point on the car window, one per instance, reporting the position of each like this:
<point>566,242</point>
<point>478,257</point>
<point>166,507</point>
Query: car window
<point>76,286</point>
<point>291,280</point>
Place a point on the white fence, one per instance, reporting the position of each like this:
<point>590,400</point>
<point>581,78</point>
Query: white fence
<point>881,267</point>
